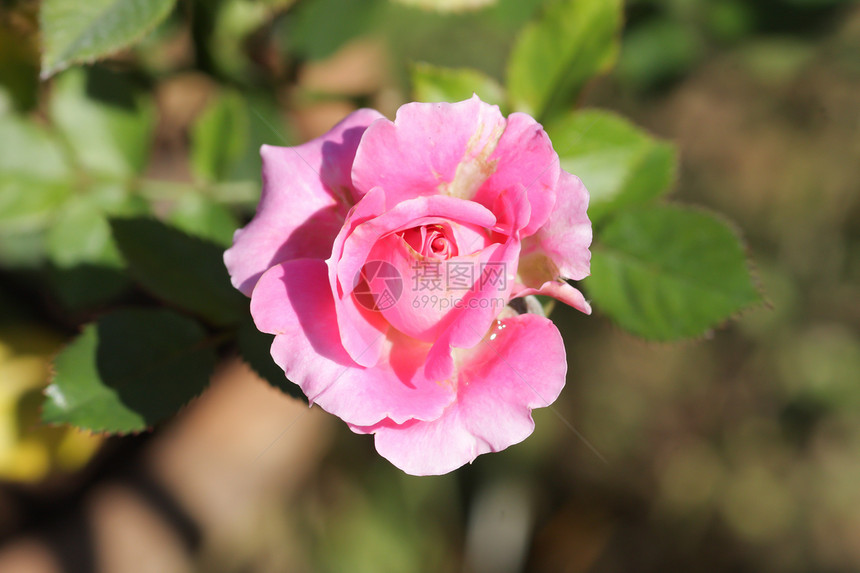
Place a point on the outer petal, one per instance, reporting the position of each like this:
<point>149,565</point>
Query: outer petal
<point>524,156</point>
<point>559,250</point>
<point>307,191</point>
<point>566,236</point>
<point>519,366</point>
<point>430,148</point>
<point>559,290</point>
<point>293,301</point>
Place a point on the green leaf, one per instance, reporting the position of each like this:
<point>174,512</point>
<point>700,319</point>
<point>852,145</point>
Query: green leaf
<point>80,234</point>
<point>27,149</point>
<point>619,164</point>
<point>86,270</point>
<point>128,371</point>
<point>106,121</point>
<point>87,286</point>
<point>28,203</point>
<point>219,137</point>
<point>434,83</point>
<point>556,55</point>
<point>75,32</point>
<point>255,346</point>
<point>35,179</point>
<point>667,272</point>
<point>181,270</point>
<point>198,215</point>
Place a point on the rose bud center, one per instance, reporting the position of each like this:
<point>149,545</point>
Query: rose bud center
<point>437,264</point>
<point>431,242</point>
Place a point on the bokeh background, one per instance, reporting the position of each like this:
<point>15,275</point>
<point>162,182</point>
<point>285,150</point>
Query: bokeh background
<point>736,452</point>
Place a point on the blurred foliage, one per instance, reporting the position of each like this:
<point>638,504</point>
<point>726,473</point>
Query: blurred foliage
<point>556,55</point>
<point>448,5</point>
<point>121,182</point>
<point>666,39</point>
<point>74,32</point>
<point>30,452</point>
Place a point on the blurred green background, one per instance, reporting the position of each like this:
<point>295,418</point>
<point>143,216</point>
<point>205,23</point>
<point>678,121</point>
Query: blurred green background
<point>736,452</point>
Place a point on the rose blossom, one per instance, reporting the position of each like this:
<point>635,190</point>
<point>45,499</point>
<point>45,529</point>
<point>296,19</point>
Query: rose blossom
<point>350,262</point>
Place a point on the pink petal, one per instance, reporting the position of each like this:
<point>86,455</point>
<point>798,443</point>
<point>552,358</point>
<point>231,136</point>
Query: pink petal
<point>407,214</point>
<point>360,329</point>
<point>524,156</point>
<point>293,301</point>
<point>559,250</point>
<point>359,326</point>
<point>307,191</point>
<point>465,326</point>
<point>519,366</point>
<point>431,290</point>
<point>404,311</point>
<point>512,209</point>
<point>560,291</point>
<point>430,148</point>
<point>566,236</point>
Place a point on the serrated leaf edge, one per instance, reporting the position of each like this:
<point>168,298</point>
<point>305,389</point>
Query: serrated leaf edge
<point>52,374</point>
<point>752,270</point>
<point>64,63</point>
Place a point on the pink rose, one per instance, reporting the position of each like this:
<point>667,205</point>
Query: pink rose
<point>383,255</point>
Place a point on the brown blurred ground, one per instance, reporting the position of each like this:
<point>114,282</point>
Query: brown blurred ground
<point>199,488</point>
